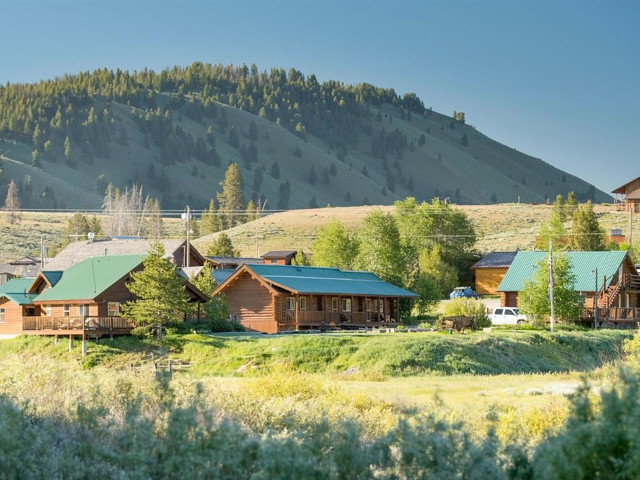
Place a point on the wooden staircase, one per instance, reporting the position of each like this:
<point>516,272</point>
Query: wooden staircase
<point>608,297</point>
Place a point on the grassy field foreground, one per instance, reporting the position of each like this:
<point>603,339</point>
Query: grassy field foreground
<point>331,406</point>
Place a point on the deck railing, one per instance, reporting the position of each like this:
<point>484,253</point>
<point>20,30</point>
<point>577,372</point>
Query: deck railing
<point>76,323</point>
<point>311,317</point>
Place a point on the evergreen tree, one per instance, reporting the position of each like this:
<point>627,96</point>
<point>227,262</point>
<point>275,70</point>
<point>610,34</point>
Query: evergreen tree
<point>275,170</point>
<point>559,208</point>
<point>160,292</point>
<point>253,131</point>
<point>586,233</point>
<point>231,200</point>
<point>571,205</point>
<point>209,221</point>
<point>252,211</point>
<point>234,138</point>
<point>222,247</point>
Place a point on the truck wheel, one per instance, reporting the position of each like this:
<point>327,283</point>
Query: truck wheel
<point>521,322</point>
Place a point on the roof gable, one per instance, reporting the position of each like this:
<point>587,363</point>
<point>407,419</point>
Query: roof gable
<point>16,290</point>
<point>583,266</point>
<point>89,278</point>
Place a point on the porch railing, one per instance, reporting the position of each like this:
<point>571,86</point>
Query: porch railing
<point>310,317</point>
<point>76,323</point>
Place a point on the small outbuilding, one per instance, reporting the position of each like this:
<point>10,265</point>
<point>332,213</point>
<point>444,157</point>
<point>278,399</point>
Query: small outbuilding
<point>490,270</point>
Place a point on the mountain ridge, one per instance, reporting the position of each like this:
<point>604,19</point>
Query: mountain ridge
<point>334,144</point>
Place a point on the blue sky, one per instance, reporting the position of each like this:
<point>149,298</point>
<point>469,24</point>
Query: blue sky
<point>555,79</point>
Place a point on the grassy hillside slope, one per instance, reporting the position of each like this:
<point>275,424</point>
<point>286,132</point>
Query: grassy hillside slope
<point>438,156</point>
<point>500,228</point>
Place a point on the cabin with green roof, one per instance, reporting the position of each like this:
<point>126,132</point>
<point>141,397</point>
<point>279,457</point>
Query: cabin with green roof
<point>15,303</point>
<point>610,277</point>
<point>276,298</point>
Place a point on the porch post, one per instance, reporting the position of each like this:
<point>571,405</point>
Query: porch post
<point>397,309</point>
<point>324,307</point>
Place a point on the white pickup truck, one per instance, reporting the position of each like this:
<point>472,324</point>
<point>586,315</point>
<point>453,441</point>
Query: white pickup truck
<point>507,316</point>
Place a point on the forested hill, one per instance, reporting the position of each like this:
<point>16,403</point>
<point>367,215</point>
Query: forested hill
<point>298,142</point>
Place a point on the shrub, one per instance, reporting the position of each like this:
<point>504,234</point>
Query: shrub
<point>468,307</point>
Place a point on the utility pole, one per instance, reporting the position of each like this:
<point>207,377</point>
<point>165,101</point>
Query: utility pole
<point>632,206</point>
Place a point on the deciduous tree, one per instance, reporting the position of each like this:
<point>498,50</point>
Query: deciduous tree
<point>334,246</point>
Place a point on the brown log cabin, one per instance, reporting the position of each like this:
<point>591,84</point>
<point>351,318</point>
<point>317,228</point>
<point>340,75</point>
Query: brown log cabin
<point>608,277</point>
<point>277,298</point>
<point>84,300</point>
<point>627,196</point>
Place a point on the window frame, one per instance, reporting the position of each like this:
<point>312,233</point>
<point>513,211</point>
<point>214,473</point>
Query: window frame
<point>2,315</point>
<point>302,304</point>
<point>334,304</point>
<point>113,309</point>
<point>346,301</point>
<point>290,304</point>
<point>66,310</point>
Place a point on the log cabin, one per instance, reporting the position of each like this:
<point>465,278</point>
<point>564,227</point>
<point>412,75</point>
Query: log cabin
<point>84,299</point>
<point>627,196</point>
<point>609,277</point>
<point>490,270</point>
<point>277,298</point>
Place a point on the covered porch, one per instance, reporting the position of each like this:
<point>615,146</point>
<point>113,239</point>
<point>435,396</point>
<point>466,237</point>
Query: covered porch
<point>305,312</point>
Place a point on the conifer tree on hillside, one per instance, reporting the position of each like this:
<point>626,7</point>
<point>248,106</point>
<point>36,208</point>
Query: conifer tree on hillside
<point>586,233</point>
<point>231,199</point>
<point>222,247</point>
<point>209,221</point>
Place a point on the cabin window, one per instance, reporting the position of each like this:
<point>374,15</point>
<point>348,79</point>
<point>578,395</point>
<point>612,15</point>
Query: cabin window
<point>1,315</point>
<point>47,310</point>
<point>273,260</point>
<point>83,310</point>
<point>65,310</point>
<point>368,304</point>
<point>346,304</point>
<point>334,304</point>
<point>113,309</point>
<point>290,303</point>
<point>303,303</point>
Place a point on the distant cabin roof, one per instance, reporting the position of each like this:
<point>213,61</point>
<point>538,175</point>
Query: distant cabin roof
<point>236,260</point>
<point>89,278</point>
<point>583,265</point>
<point>495,260</point>
<point>327,281</point>
<point>16,290</point>
<point>189,272</point>
<point>280,254</point>
<point>78,251</point>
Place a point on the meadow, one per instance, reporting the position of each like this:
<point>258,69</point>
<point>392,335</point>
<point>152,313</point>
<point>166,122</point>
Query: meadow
<point>312,406</point>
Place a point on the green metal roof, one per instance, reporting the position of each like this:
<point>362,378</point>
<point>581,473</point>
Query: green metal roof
<point>328,281</point>
<point>583,265</point>
<point>89,278</point>
<point>16,290</point>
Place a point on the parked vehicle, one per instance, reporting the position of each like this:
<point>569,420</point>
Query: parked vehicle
<point>507,316</point>
<point>461,292</point>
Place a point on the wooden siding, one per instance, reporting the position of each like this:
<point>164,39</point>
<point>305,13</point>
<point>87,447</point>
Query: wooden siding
<point>488,279</point>
<point>12,317</point>
<point>509,299</point>
<point>251,304</point>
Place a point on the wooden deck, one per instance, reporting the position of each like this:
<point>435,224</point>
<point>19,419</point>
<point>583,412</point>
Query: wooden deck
<point>611,317</point>
<point>76,326</point>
